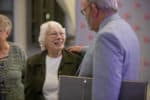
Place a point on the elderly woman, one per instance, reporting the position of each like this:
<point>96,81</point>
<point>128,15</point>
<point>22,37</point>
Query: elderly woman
<point>44,68</point>
<point>12,64</point>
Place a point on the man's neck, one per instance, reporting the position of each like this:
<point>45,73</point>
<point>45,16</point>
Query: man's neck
<point>101,18</point>
<point>99,21</point>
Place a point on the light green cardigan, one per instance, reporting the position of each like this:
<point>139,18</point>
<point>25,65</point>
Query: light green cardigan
<point>14,73</point>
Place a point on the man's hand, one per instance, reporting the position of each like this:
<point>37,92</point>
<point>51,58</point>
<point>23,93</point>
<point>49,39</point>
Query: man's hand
<point>76,49</point>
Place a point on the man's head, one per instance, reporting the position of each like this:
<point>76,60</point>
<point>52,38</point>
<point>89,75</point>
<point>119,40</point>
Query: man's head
<point>106,4</point>
<point>95,11</point>
<point>52,36</point>
<point>5,26</point>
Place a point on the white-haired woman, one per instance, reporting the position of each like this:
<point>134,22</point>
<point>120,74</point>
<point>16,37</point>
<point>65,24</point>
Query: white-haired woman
<point>44,68</point>
<point>12,64</point>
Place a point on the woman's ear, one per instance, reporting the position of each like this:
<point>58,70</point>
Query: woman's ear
<point>95,10</point>
<point>7,32</point>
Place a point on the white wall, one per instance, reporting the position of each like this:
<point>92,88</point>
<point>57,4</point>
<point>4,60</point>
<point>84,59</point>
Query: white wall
<point>69,8</point>
<point>20,29</point>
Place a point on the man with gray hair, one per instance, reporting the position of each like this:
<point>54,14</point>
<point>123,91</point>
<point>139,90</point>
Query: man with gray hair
<point>114,55</point>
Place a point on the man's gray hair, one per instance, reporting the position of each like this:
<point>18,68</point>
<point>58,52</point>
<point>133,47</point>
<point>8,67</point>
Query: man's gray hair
<point>106,4</point>
<point>5,23</point>
<point>46,27</point>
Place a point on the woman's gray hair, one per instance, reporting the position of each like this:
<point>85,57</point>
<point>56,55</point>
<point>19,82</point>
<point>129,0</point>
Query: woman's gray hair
<point>107,4</point>
<point>46,27</point>
<point>5,23</point>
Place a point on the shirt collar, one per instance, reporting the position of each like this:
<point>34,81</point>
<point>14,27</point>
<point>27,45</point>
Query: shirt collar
<point>108,19</point>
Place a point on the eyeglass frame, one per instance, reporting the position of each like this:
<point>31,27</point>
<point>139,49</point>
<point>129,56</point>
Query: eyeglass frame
<point>83,11</point>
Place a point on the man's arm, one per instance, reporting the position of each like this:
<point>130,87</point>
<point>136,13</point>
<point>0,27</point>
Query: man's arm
<point>107,71</point>
<point>78,49</point>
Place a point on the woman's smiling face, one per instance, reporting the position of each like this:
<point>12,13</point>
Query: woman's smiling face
<point>55,39</point>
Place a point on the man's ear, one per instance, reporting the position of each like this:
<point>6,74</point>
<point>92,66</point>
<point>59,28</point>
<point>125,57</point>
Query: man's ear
<point>95,10</point>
